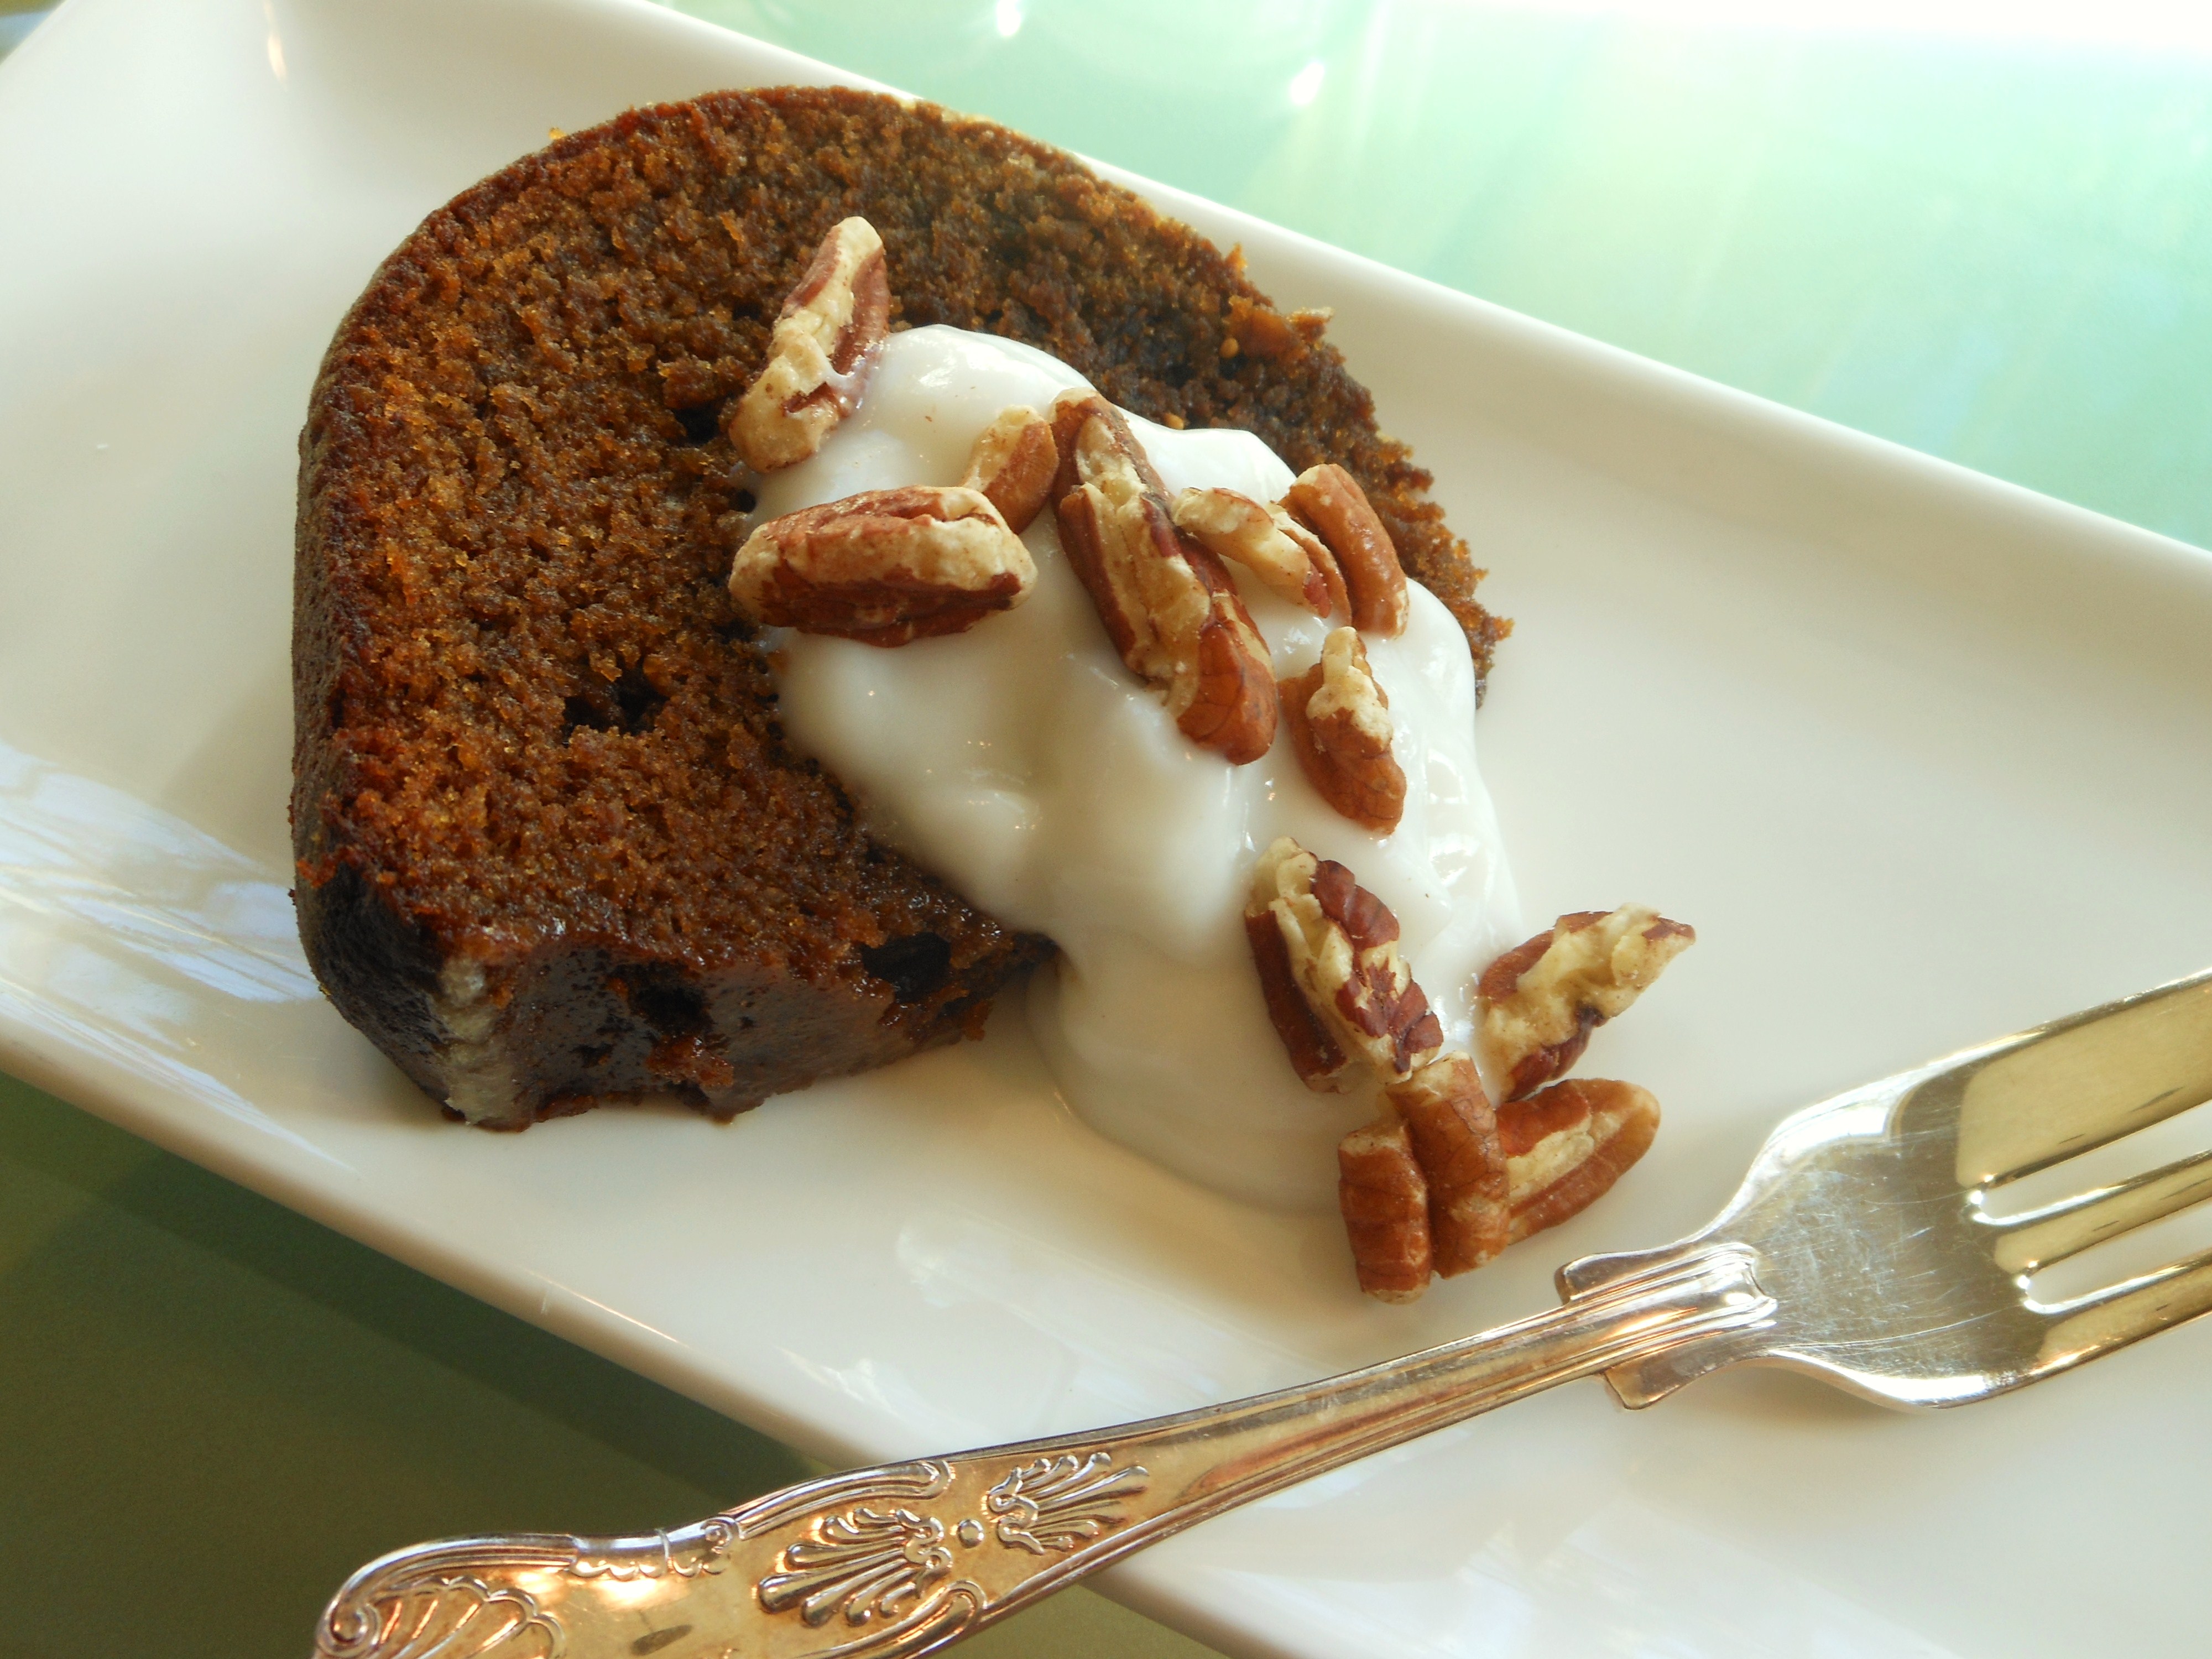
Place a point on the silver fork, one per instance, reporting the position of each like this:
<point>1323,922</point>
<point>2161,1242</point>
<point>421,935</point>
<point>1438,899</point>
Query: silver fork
<point>1861,1249</point>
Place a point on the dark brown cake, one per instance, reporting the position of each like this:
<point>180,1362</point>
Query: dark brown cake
<point>552,847</point>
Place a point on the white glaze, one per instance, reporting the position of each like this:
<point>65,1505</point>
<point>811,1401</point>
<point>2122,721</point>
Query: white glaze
<point>1026,765</point>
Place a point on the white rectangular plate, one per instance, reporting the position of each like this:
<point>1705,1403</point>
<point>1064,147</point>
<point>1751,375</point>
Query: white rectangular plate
<point>1922,757</point>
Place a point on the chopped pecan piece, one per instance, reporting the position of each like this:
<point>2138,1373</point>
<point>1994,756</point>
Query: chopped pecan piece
<point>1541,1000</point>
<point>1385,1202</point>
<point>1169,606</point>
<point>825,344</point>
<point>1014,462</point>
<point>1106,454</point>
<point>1330,501</point>
<point>1441,1183</point>
<point>1267,542</point>
<point>1565,1146</point>
<point>1339,725</point>
<point>885,567</point>
<point>1455,1140</point>
<point>1332,574</point>
<point>1340,993</point>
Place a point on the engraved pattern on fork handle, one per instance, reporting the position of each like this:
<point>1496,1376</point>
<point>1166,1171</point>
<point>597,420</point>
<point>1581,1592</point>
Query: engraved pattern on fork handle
<point>896,1561</point>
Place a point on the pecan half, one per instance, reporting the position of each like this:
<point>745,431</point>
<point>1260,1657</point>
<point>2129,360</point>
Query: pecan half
<point>885,567</point>
<point>1014,462</point>
<point>1385,1203</point>
<point>1339,725</point>
<point>1330,501</point>
<point>1331,574</point>
<point>1169,606</point>
<point>1566,1147</point>
<point>1456,1142</point>
<point>1542,999</point>
<point>1338,991</point>
<point>827,339</point>
<point>1267,542</point>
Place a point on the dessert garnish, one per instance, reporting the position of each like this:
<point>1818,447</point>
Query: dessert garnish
<point>1542,999</point>
<point>1566,1144</point>
<point>1014,462</point>
<point>885,567</point>
<point>826,340</point>
<point>1328,500</point>
<point>1166,602</point>
<point>1440,1183</point>
<point>1341,996</point>
<point>1338,720</point>
<point>1267,542</point>
<point>1423,1187</point>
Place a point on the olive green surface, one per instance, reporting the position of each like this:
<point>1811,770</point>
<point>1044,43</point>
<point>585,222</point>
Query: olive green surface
<point>1997,252</point>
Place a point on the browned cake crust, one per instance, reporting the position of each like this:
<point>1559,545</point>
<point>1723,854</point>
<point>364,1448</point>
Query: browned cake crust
<point>552,846</point>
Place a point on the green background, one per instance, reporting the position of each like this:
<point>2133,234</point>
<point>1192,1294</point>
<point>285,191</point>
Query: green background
<point>1998,251</point>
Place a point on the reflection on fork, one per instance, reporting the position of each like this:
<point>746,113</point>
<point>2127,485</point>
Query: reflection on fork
<point>1864,1248</point>
<point>1875,1232</point>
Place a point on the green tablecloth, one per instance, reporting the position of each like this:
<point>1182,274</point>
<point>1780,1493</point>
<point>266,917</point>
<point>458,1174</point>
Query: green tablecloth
<point>1995,248</point>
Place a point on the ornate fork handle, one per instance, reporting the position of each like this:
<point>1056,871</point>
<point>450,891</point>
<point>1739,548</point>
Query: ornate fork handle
<point>897,1560</point>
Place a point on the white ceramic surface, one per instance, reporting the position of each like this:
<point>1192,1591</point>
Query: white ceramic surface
<point>1922,757</point>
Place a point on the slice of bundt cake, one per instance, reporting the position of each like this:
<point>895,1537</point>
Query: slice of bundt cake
<point>552,846</point>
